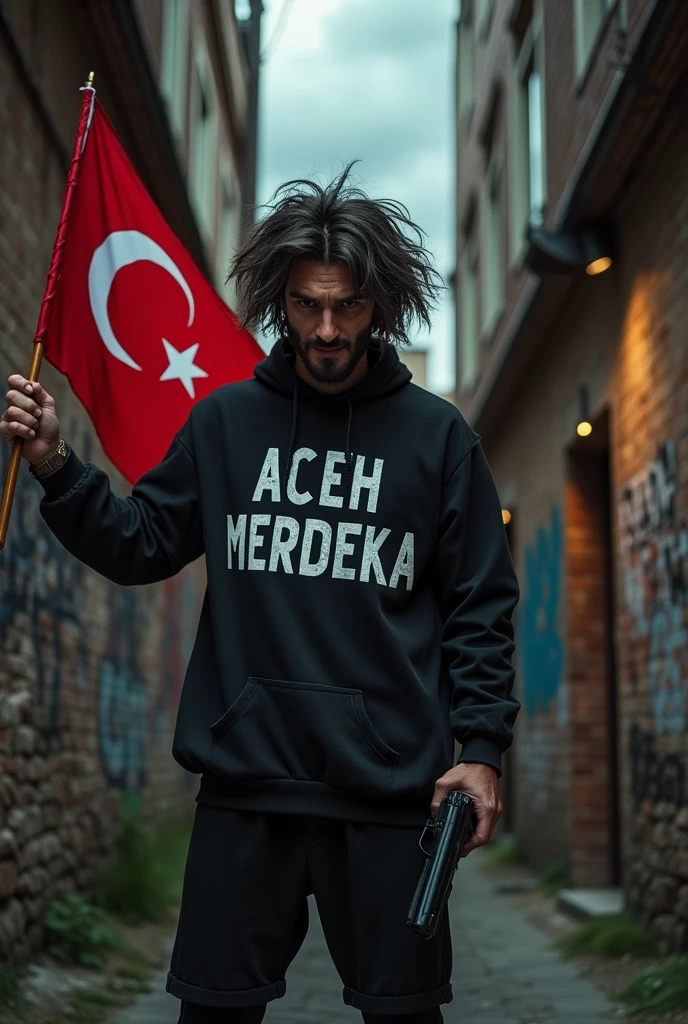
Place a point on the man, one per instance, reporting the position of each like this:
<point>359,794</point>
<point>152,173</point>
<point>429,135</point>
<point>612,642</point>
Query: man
<point>357,619</point>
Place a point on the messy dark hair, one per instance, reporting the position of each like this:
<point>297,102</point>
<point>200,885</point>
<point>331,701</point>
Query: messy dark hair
<point>375,238</point>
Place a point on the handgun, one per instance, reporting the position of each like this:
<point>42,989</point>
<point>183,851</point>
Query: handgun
<point>454,823</point>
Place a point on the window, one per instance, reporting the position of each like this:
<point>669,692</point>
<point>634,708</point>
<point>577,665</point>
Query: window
<point>468,314</point>
<point>175,51</point>
<point>229,231</point>
<point>203,148</point>
<point>466,77</point>
<point>532,86</point>
<point>589,17</point>
<point>492,246</point>
<point>527,166</point>
<point>484,15</point>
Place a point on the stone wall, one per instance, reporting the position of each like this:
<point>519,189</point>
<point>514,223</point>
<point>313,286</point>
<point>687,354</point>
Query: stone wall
<point>651,506</point>
<point>90,673</point>
<point>90,676</point>
<point>657,884</point>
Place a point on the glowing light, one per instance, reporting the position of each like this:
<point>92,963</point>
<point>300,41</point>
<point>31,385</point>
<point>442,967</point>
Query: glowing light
<point>599,266</point>
<point>584,428</point>
<point>506,516</point>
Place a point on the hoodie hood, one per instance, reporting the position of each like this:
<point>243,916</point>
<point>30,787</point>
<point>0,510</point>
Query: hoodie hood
<point>386,374</point>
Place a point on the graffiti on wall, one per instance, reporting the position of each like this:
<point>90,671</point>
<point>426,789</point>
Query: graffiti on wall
<point>129,710</point>
<point>43,590</point>
<point>541,643</point>
<point>654,554</point>
<point>541,650</point>
<point>655,777</point>
<point>122,695</point>
<point>180,616</point>
<point>540,752</point>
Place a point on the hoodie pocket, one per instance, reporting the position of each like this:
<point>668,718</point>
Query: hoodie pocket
<point>278,729</point>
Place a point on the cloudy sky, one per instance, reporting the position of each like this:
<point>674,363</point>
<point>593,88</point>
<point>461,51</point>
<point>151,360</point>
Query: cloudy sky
<point>371,79</point>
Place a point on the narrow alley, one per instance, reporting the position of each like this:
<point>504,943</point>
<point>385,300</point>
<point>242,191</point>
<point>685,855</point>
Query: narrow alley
<point>343,461</point>
<point>505,972</point>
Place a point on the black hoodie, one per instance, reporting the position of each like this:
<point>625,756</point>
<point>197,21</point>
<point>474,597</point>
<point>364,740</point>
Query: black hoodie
<point>357,617</point>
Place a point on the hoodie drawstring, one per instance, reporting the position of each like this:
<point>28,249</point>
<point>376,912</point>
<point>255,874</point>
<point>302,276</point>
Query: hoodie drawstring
<point>292,440</point>
<point>347,448</point>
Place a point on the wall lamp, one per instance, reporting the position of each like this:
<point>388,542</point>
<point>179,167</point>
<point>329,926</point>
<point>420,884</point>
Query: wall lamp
<point>588,248</point>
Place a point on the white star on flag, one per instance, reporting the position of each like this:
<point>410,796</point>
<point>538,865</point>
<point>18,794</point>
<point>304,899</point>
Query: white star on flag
<point>182,366</point>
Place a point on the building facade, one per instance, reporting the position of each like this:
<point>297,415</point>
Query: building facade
<point>90,672</point>
<point>570,150</point>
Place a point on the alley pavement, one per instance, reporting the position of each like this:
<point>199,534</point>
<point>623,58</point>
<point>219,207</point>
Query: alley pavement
<point>505,972</point>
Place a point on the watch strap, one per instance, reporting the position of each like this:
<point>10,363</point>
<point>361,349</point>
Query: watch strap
<point>52,461</point>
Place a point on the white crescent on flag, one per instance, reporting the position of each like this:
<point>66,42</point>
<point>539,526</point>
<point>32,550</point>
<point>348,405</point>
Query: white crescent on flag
<point>120,249</point>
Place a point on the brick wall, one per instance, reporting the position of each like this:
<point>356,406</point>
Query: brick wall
<point>588,636</point>
<point>90,672</point>
<point>624,334</point>
<point>651,495</point>
<point>527,465</point>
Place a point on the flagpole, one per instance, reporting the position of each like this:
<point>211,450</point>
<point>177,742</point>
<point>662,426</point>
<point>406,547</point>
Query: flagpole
<point>54,274</point>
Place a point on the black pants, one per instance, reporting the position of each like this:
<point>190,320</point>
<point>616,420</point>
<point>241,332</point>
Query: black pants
<point>194,1014</point>
<point>244,915</point>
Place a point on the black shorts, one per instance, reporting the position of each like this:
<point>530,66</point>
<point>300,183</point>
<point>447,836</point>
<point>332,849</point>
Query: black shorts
<point>244,911</point>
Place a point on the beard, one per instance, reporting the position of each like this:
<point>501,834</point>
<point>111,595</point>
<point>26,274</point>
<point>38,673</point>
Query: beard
<point>329,370</point>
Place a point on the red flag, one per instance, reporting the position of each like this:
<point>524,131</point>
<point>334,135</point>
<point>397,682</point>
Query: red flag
<point>134,325</point>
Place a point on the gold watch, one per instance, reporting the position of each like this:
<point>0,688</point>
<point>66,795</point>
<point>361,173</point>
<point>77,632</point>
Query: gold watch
<point>52,461</point>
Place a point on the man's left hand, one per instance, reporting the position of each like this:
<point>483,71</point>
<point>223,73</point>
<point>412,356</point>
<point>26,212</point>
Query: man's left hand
<point>480,782</point>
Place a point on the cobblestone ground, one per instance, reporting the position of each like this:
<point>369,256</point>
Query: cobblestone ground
<point>505,972</point>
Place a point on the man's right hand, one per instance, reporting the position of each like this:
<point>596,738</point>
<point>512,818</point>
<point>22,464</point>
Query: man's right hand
<point>30,414</point>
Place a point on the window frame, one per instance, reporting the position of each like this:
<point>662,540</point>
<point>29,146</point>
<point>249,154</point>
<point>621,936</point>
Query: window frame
<point>228,176</point>
<point>586,40</point>
<point>174,63</point>
<point>469,300</point>
<point>531,53</point>
<point>493,257</point>
<point>466,78</point>
<point>483,18</point>
<point>203,177</point>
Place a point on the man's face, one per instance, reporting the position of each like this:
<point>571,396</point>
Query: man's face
<point>329,325</point>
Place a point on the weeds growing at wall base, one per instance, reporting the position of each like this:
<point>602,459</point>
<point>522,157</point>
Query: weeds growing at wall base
<point>144,880</point>
<point>506,853</point>
<point>615,935</point>
<point>659,989</point>
<point>553,877</point>
<point>78,933</point>
<point>142,884</point>
<point>12,999</point>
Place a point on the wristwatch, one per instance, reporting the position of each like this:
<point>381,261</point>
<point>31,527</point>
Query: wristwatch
<point>52,461</point>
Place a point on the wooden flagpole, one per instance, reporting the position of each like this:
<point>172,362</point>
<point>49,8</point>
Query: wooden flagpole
<point>49,294</point>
